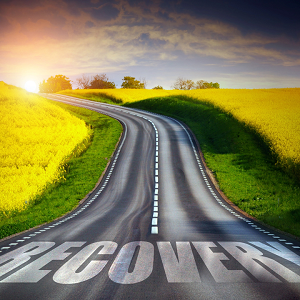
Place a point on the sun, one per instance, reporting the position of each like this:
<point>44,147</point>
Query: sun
<point>30,86</point>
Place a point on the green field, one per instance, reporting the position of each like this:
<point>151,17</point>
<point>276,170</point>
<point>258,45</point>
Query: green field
<point>241,162</point>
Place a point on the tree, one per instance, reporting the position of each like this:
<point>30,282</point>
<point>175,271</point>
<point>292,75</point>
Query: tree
<point>101,82</point>
<point>215,85</point>
<point>201,84</point>
<point>158,87</point>
<point>55,84</point>
<point>132,83</point>
<point>183,84</point>
<point>83,82</point>
<point>144,81</point>
<point>179,84</point>
<point>187,84</point>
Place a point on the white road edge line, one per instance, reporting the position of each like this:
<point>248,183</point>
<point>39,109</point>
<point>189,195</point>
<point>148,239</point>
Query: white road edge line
<point>209,187</point>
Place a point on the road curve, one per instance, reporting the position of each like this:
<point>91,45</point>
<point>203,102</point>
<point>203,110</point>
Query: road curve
<point>154,228</point>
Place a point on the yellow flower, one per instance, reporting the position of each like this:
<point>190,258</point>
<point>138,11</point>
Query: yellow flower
<point>36,138</point>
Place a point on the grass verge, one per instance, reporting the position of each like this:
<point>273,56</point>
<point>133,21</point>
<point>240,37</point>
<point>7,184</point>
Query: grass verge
<point>81,173</point>
<point>239,159</point>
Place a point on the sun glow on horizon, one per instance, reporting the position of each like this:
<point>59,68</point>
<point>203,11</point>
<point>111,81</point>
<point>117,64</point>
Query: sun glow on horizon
<point>30,86</point>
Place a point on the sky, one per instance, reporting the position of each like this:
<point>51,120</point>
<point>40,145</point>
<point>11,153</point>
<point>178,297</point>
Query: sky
<point>239,44</point>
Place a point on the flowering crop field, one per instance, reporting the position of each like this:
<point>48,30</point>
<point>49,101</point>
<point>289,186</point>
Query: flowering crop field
<point>273,113</point>
<point>36,139</point>
<point>123,95</point>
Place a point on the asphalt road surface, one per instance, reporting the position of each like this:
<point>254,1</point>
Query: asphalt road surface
<point>155,228</point>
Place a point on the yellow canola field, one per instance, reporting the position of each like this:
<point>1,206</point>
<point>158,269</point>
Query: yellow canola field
<point>274,113</point>
<point>36,139</point>
<point>125,95</point>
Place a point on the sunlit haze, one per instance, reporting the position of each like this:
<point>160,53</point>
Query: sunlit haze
<point>31,86</point>
<point>240,44</point>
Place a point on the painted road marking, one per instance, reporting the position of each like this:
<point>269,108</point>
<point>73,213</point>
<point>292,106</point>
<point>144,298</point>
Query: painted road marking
<point>154,230</point>
<point>182,262</point>
<point>181,267</point>
<point>68,274</point>
<point>154,221</point>
<point>156,140</point>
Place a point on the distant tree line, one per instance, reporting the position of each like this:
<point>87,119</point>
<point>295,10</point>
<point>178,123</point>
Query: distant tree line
<point>101,81</point>
<point>188,84</point>
<point>55,84</point>
<point>98,81</point>
<point>132,83</point>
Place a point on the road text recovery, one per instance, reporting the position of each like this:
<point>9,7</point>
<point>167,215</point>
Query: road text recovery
<point>134,262</point>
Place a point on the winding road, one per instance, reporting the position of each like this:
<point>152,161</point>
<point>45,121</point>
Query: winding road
<point>154,228</point>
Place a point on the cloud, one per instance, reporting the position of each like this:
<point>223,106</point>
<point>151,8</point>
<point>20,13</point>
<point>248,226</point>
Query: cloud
<point>145,41</point>
<point>5,25</point>
<point>105,12</point>
<point>96,36</point>
<point>89,24</point>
